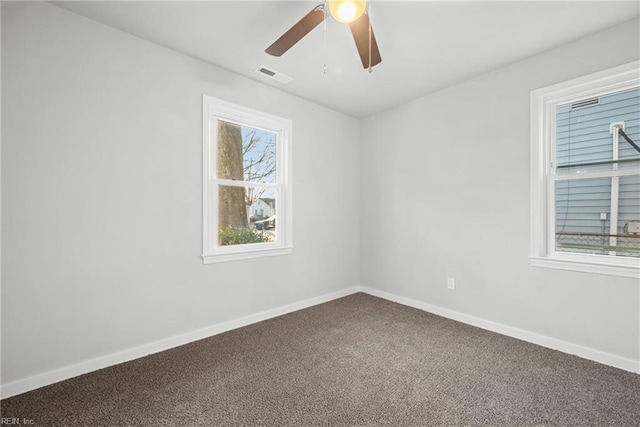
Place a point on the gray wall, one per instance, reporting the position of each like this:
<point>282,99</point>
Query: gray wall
<point>101,188</point>
<point>453,171</point>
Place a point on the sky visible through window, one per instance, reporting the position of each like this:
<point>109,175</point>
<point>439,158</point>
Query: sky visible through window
<point>259,155</point>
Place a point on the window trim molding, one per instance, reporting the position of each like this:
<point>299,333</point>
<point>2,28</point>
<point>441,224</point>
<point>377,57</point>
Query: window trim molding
<point>212,110</point>
<point>542,121</point>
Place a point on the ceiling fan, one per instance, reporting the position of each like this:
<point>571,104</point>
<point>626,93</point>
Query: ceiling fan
<point>352,12</point>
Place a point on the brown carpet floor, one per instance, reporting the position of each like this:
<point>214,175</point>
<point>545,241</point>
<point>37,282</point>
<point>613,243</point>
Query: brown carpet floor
<point>354,361</point>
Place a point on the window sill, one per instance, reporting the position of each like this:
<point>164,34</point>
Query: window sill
<point>237,256</point>
<point>622,269</point>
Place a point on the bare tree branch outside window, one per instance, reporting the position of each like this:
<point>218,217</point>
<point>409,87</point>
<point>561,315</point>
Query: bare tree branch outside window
<point>259,160</point>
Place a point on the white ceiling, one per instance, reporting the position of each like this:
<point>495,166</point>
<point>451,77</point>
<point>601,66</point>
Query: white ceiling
<point>425,45</point>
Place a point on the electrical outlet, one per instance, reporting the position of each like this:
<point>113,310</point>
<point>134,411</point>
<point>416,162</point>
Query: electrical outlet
<point>451,283</point>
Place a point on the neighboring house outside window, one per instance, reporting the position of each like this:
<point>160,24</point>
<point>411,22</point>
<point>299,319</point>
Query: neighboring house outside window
<point>262,208</point>
<point>585,173</point>
<point>246,174</point>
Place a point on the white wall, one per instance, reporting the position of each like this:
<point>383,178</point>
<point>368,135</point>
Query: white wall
<point>101,188</point>
<point>453,171</point>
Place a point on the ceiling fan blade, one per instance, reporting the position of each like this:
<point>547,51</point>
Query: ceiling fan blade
<point>297,32</point>
<point>360,31</point>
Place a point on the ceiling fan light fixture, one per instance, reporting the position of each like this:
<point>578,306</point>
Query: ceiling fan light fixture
<point>347,11</point>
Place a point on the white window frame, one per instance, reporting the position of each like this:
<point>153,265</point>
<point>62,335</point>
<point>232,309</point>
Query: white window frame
<point>543,133</point>
<point>214,109</point>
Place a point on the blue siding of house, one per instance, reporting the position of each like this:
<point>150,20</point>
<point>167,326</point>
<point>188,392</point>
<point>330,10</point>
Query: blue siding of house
<point>583,136</point>
<point>583,133</point>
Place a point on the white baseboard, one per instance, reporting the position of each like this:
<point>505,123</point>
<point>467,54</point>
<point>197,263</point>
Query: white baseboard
<point>521,334</point>
<point>46,378</point>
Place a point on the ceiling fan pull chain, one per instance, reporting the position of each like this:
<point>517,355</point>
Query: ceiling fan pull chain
<point>325,8</point>
<point>369,13</point>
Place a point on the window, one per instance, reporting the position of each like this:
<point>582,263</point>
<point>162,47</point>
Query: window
<point>246,183</point>
<point>585,173</point>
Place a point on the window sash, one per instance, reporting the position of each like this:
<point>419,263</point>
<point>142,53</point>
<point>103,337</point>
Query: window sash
<point>231,249</point>
<point>614,218</point>
<point>592,175</point>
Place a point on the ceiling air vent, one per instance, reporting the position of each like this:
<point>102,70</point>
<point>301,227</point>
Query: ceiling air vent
<point>273,74</point>
<point>585,103</point>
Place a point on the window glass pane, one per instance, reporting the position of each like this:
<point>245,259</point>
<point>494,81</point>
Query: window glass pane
<point>262,211</point>
<point>583,134</point>
<point>245,153</point>
<point>583,208</point>
<point>628,240</point>
<point>584,214</point>
<point>246,215</point>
